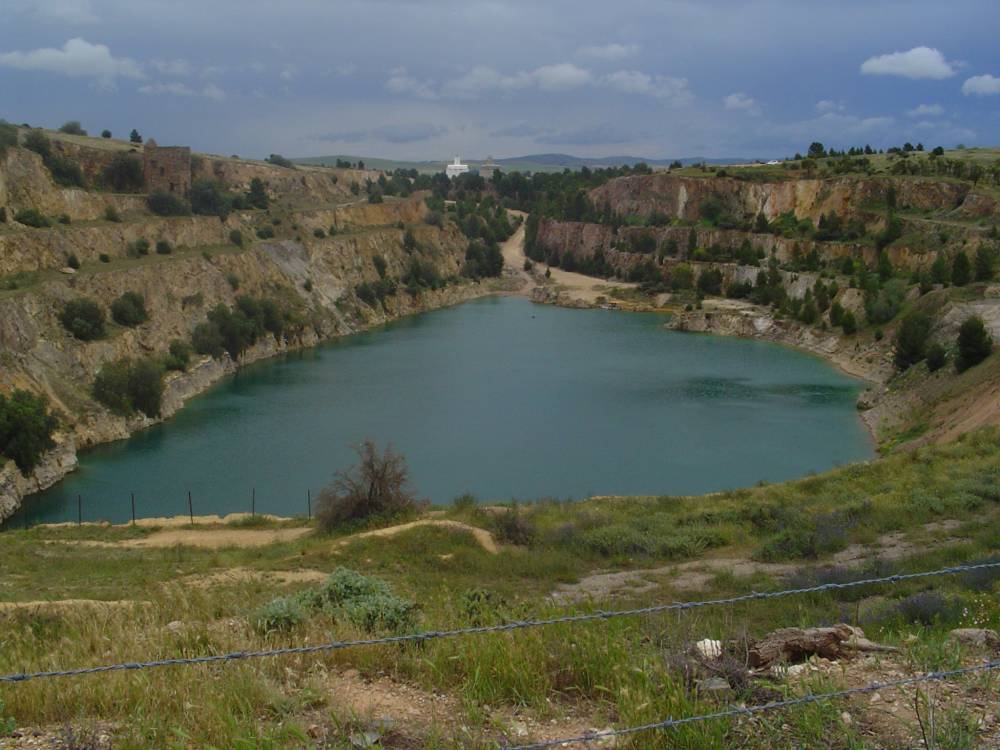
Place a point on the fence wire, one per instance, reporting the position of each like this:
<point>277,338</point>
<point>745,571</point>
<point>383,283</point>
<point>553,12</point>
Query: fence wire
<point>506,627</point>
<point>762,708</point>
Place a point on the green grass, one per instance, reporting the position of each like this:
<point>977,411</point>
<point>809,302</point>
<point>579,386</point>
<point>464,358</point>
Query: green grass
<point>617,671</point>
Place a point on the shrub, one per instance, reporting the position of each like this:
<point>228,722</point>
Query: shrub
<point>163,247</point>
<point>72,261</point>
<point>233,280</point>
<point>936,357</point>
<point>134,136</point>
<point>265,233</point>
<point>8,136</point>
<point>927,608</point>
<point>307,285</point>
<point>280,161</point>
<point>207,339</point>
<point>32,217</point>
<point>72,127</point>
<point>129,309</point>
<point>163,203</point>
<point>282,614</point>
<point>139,247</point>
<point>64,219</point>
<point>126,386</point>
<point>911,339</point>
<point>123,173</point>
<point>319,233</point>
<point>111,214</point>
<point>83,318</point>
<point>514,527</point>
<point>961,270</point>
<point>179,356</point>
<point>364,601</point>
<point>257,195</point>
<point>105,133</point>
<point>26,427</point>
<point>209,198</point>
<point>104,258</point>
<point>236,237</point>
<point>974,344</point>
<point>376,487</point>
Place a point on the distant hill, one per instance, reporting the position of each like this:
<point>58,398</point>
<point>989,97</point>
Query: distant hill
<point>529,163</point>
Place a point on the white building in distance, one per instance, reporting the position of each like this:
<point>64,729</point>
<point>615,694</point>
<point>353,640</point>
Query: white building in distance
<point>456,168</point>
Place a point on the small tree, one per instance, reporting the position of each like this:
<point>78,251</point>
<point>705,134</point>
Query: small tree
<point>911,339</point>
<point>257,195</point>
<point>83,318</point>
<point>961,270</point>
<point>72,127</point>
<point>974,344</point>
<point>377,487</point>
<point>26,428</point>
<point>129,309</point>
<point>123,173</point>
<point>126,386</point>
<point>105,133</point>
<point>134,136</point>
<point>985,260</point>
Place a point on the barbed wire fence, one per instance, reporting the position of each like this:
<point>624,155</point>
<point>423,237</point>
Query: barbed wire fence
<point>600,615</point>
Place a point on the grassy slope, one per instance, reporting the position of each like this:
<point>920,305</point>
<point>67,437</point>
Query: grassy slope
<point>615,672</point>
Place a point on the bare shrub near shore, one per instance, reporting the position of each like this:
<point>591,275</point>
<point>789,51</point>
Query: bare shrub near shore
<point>376,487</point>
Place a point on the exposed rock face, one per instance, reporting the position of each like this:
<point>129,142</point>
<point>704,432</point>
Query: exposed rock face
<point>683,197</point>
<point>316,275</point>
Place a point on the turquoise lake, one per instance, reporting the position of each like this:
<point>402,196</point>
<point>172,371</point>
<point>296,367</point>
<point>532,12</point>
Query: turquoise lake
<point>498,397</point>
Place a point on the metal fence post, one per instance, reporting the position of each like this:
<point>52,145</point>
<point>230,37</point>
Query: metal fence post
<point>79,510</point>
<point>190,508</point>
<point>133,507</point>
<point>253,502</point>
<point>309,502</point>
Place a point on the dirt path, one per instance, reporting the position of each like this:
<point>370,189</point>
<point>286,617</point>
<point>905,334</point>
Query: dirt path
<point>485,538</point>
<point>205,538</point>
<point>575,286</point>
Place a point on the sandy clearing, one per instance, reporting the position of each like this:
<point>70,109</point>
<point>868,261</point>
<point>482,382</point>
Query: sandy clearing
<point>170,522</point>
<point>232,576</point>
<point>206,538</point>
<point>482,536</point>
<point>62,605</point>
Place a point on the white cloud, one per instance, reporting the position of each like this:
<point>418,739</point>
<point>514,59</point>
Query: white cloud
<point>919,62</point>
<point>482,78</point>
<point>401,82</point>
<point>926,110</point>
<point>659,87</point>
<point>560,76</point>
<point>742,102</point>
<point>288,73</point>
<point>172,67</point>
<point>609,51</point>
<point>175,88</point>
<point>71,12</point>
<point>828,105</point>
<point>985,85</point>
<point>78,58</point>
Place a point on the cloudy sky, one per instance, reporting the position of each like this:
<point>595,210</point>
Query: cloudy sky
<point>424,79</point>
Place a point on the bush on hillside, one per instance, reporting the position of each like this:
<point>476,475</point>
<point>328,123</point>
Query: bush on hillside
<point>961,269</point>
<point>123,174</point>
<point>64,171</point>
<point>105,133</point>
<point>129,309</point>
<point>911,339</point>
<point>72,261</point>
<point>366,603</point>
<point>8,136</point>
<point>163,203</point>
<point>111,214</point>
<point>139,247</point>
<point>236,237</point>
<point>210,198</point>
<point>375,488</point>
<point>179,355</point>
<point>280,161</point>
<point>257,194</point>
<point>974,344</point>
<point>127,386</point>
<point>936,357</point>
<point>26,427</point>
<point>32,217</point>
<point>265,232</point>
<point>163,247</point>
<point>72,127</point>
<point>83,318</point>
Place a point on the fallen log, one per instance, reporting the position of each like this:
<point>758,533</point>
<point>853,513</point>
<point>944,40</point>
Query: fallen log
<point>792,645</point>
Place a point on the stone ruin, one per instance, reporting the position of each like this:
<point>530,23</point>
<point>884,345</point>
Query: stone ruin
<point>166,168</point>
